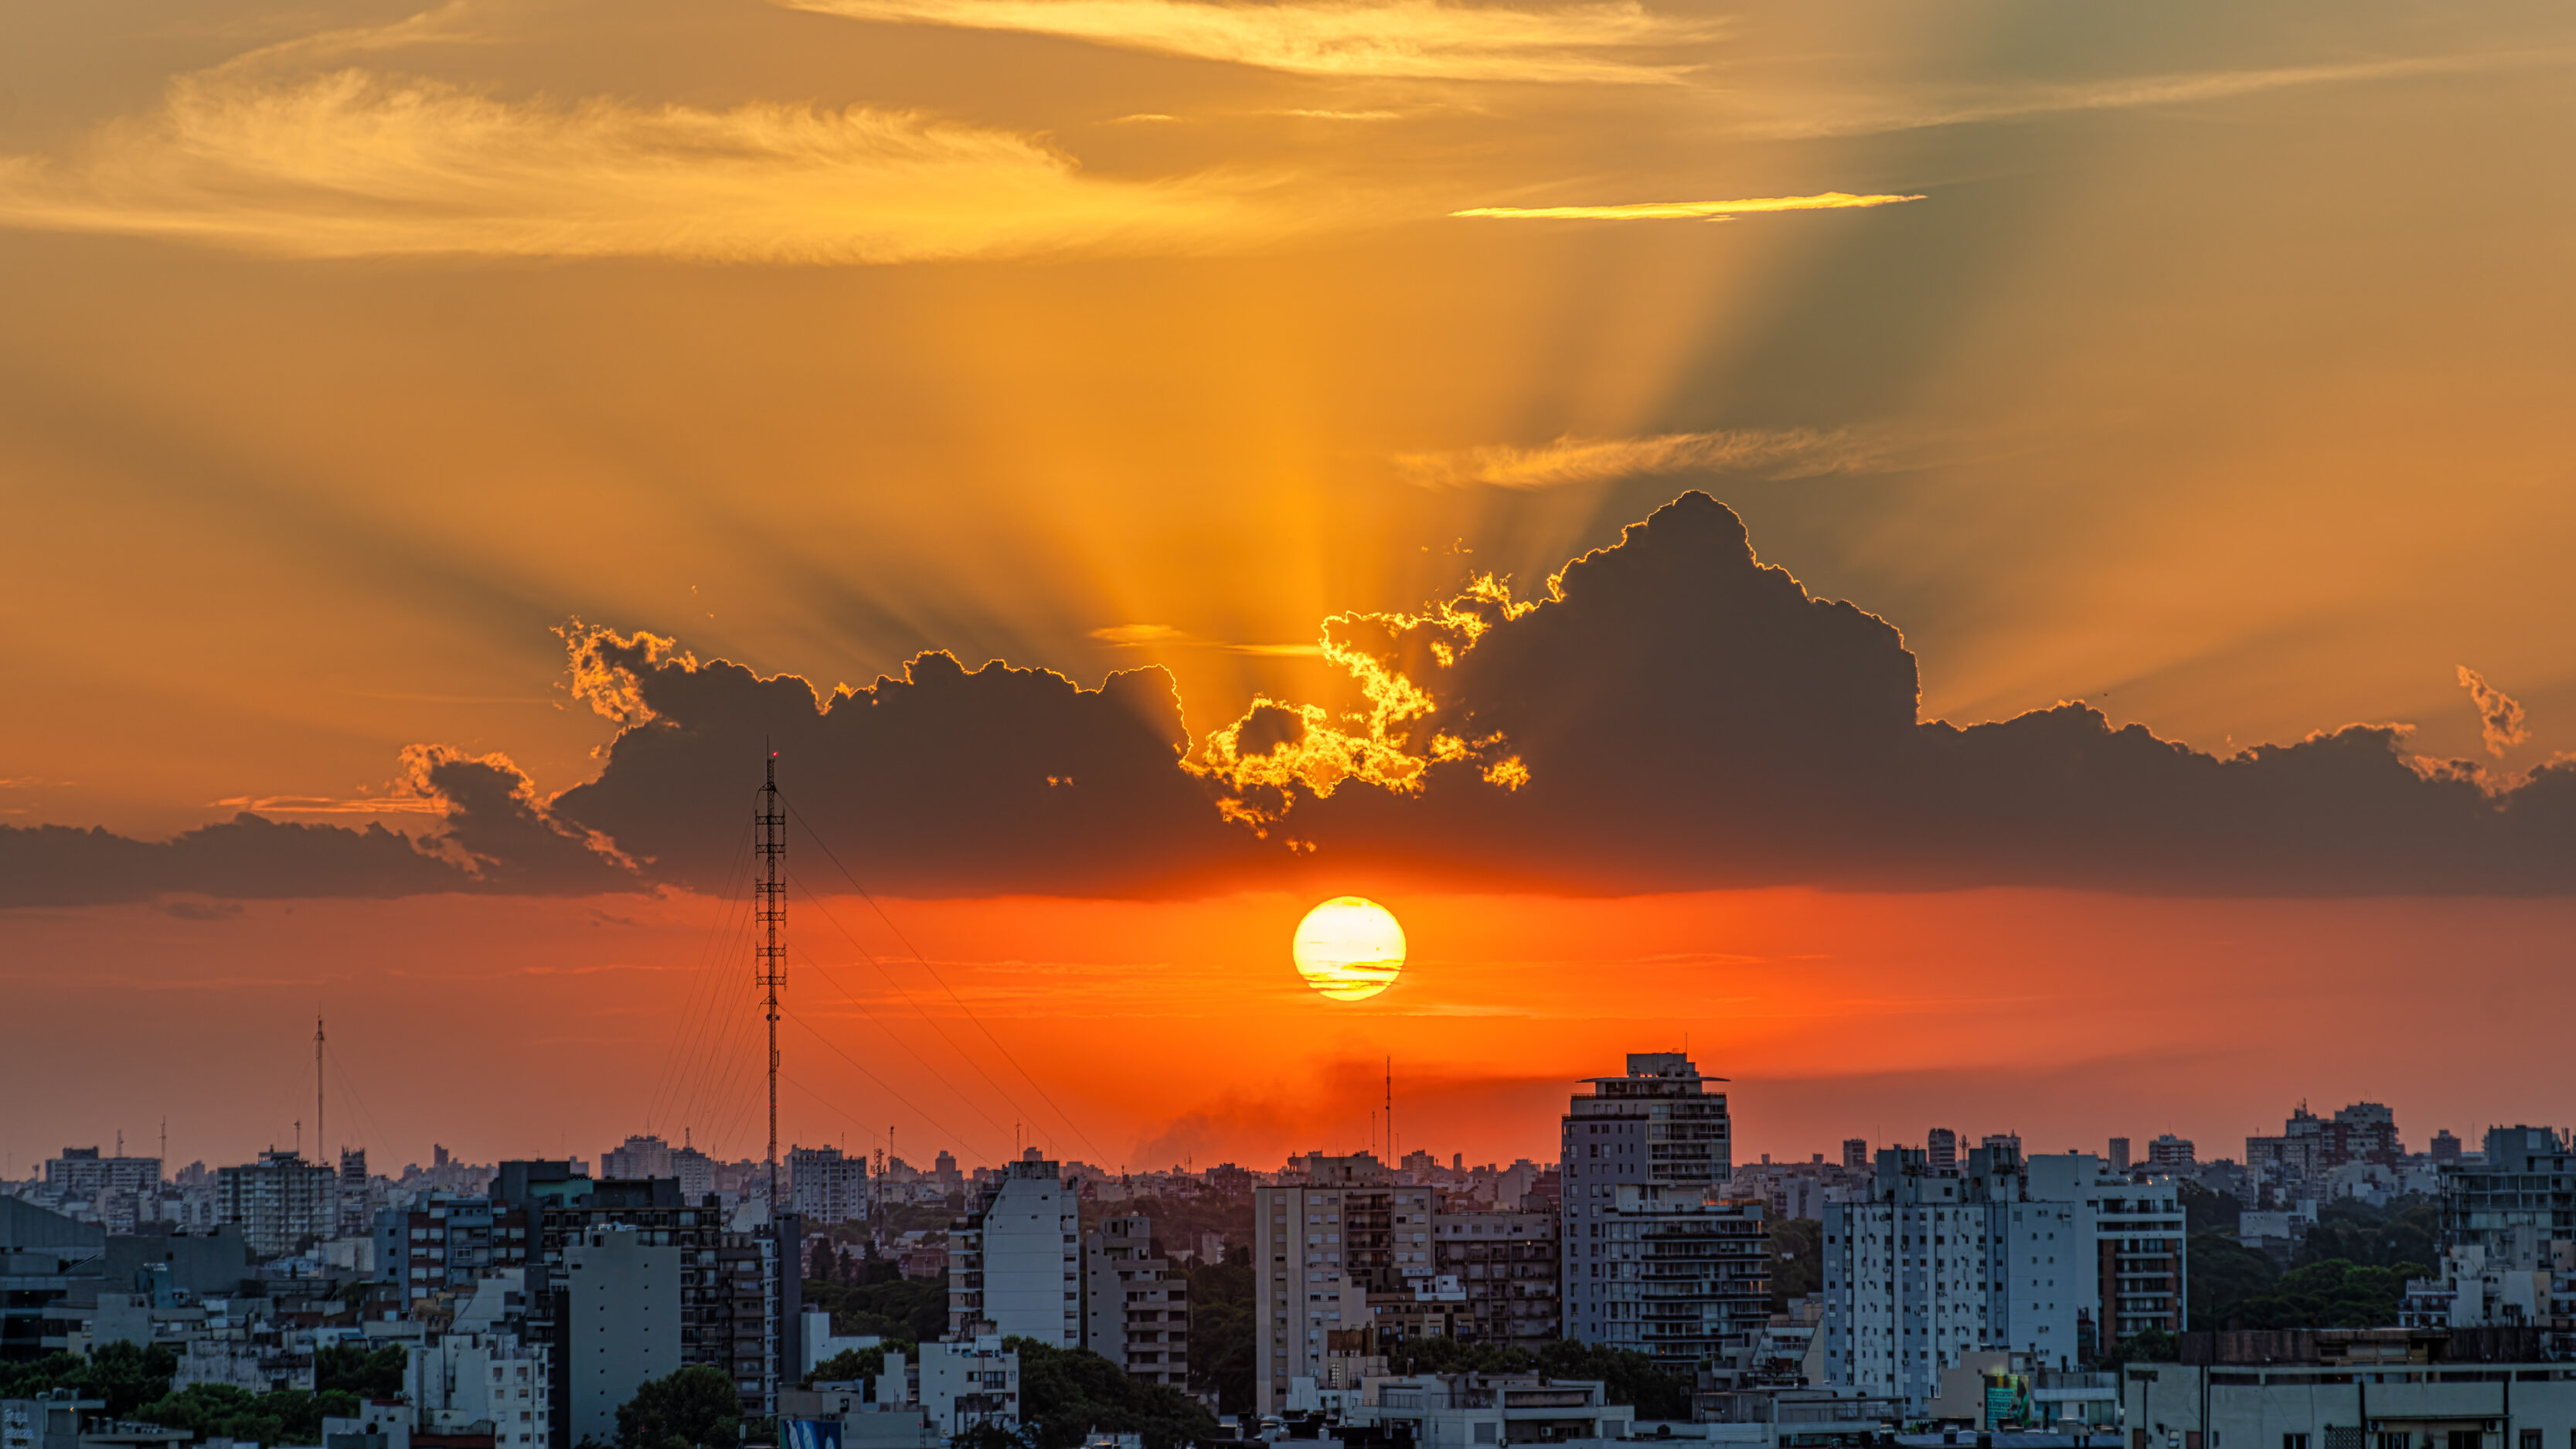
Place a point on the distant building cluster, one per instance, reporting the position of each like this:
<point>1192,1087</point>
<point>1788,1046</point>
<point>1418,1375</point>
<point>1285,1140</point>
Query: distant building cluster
<point>1965,1283</point>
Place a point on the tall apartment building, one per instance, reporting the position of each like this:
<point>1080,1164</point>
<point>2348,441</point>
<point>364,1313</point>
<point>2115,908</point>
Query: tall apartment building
<point>2309,1145</point>
<point>458,1379</point>
<point>1941,1145</point>
<point>827,1187</point>
<point>279,1201</point>
<point>355,1213</point>
<point>81,1172</point>
<point>1135,1304</point>
<point>2053,1258</point>
<point>622,1326</point>
<point>2526,1189</point>
<point>2169,1153</point>
<point>1657,1126</point>
<point>1506,1264</point>
<point>447,1243</point>
<point>739,1305</point>
<point>1320,1249</point>
<point>1678,1275</point>
<point>1856,1153</point>
<point>2117,1154</point>
<point>637,1158</point>
<point>1015,1259</point>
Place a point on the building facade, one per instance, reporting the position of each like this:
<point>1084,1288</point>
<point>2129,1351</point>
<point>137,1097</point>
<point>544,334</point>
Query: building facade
<point>827,1187</point>
<point>447,1244</point>
<point>1135,1304</point>
<point>279,1201</point>
<point>1322,1248</point>
<point>1015,1260</point>
<point>1505,1266</point>
<point>2053,1259</point>
<point>1657,1126</point>
<point>622,1289</point>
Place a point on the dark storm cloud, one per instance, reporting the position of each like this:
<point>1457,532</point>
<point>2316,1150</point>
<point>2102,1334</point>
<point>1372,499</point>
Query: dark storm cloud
<point>1674,715</point>
<point>495,839</point>
<point>1689,717</point>
<point>993,781</point>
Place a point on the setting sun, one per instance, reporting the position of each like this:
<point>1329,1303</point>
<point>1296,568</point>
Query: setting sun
<point>1349,948</point>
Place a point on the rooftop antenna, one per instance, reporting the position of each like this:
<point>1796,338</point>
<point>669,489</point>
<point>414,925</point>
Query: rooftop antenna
<point>773,949</point>
<point>1391,1158</point>
<point>317,1086</point>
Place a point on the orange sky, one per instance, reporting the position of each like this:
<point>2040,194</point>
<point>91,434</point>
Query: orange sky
<point>2207,364</point>
<point>1179,1030</point>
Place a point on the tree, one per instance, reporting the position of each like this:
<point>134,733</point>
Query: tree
<point>2331,1294</point>
<point>2205,1210</point>
<point>890,1306</point>
<point>281,1416</point>
<point>2154,1345</point>
<point>1066,1393</point>
<point>125,1375</point>
<point>695,1408</point>
<point>2408,1230</point>
<point>1797,1260</point>
<point>376,1374</point>
<point>2224,1272</point>
<point>1222,1346</point>
<point>856,1364</point>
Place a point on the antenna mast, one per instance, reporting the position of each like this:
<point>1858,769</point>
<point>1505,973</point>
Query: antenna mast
<point>773,949</point>
<point>318,1138</point>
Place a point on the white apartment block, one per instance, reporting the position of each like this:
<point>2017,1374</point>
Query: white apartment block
<point>1319,1250</point>
<point>1015,1262</point>
<point>1659,1126</point>
<point>2006,1256</point>
<point>623,1323</point>
<point>460,1379</point>
<point>827,1187</point>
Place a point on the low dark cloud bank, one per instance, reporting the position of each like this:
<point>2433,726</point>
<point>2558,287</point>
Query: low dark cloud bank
<point>1673,715</point>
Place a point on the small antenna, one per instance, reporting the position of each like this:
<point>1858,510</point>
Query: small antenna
<point>318,1148</point>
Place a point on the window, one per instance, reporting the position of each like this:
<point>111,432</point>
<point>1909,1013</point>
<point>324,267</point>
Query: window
<point>2294,1441</point>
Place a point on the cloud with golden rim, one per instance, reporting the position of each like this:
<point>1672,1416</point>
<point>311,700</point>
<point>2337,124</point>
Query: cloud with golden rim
<point>1771,452</point>
<point>355,164</point>
<point>1412,39</point>
<point>1685,210</point>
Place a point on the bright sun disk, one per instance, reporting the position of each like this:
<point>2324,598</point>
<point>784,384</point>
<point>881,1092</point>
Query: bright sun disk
<point>1349,948</point>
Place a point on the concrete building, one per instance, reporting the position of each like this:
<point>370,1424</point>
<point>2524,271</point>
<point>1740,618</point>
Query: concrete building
<point>1678,1276</point>
<point>1856,1153</point>
<point>2169,1153</point>
<point>279,1202</point>
<point>455,1380</point>
<point>967,1384</point>
<point>2118,1154</point>
<point>1135,1304</point>
<point>622,1327</point>
<point>1462,1411</point>
<point>1941,1145</point>
<point>1015,1260</point>
<point>2052,1260</point>
<point>1658,1125</point>
<point>1322,1248</point>
<point>354,1208</point>
<point>738,1311</point>
<point>637,1158</point>
<point>82,1173</point>
<point>2354,1403</point>
<point>1506,1267</point>
<point>2310,1146</point>
<point>447,1243</point>
<point>828,1188</point>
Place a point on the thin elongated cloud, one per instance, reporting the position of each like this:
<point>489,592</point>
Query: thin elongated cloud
<point>1685,210</point>
<point>1772,452</point>
<point>1419,39</point>
<point>355,164</point>
<point>1815,117</point>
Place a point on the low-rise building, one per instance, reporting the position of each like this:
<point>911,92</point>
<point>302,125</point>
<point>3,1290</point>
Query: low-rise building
<point>1462,1411</point>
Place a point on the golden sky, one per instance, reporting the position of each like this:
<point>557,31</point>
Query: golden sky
<point>2207,364</point>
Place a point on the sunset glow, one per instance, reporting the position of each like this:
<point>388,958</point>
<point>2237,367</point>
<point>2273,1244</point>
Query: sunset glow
<point>1349,948</point>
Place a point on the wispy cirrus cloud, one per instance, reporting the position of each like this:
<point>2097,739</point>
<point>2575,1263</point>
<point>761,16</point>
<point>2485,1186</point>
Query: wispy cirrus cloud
<point>355,164</point>
<point>1416,39</point>
<point>1686,210</point>
<point>1137,636</point>
<point>1775,452</point>
<point>1814,117</point>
